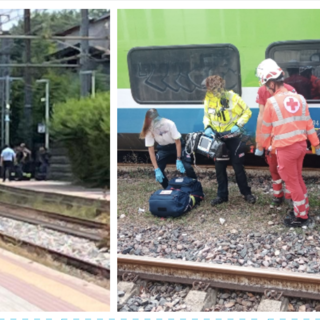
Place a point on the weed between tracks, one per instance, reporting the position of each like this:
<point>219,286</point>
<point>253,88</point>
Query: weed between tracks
<point>136,185</point>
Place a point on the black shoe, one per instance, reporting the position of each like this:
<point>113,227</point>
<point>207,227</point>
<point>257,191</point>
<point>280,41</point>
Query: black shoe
<point>296,222</point>
<point>277,201</point>
<point>250,198</point>
<point>218,200</point>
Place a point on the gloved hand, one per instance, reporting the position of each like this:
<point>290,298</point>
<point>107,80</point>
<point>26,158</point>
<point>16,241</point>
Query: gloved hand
<point>234,129</point>
<point>209,132</point>
<point>258,152</point>
<point>270,148</point>
<point>318,152</point>
<point>159,175</point>
<point>180,166</point>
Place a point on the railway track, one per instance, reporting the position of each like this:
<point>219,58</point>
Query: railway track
<point>94,269</point>
<point>82,228</point>
<point>290,284</point>
<point>204,167</point>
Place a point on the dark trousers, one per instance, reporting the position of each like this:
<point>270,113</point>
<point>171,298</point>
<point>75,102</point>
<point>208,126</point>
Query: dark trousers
<point>167,154</point>
<point>237,151</point>
<point>7,165</point>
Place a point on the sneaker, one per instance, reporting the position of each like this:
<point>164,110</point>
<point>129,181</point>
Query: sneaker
<point>218,200</point>
<point>296,222</point>
<point>277,201</point>
<point>250,198</point>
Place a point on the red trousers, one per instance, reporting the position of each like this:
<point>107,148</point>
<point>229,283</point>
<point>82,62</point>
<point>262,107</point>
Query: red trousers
<point>278,191</point>
<point>290,163</point>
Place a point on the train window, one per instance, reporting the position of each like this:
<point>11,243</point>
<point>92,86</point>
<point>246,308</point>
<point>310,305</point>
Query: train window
<point>300,60</point>
<point>176,74</point>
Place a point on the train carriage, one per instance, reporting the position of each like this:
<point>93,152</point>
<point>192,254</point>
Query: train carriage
<point>165,55</point>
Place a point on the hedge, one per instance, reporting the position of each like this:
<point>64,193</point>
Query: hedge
<point>83,126</point>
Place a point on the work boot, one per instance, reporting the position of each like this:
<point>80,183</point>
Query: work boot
<point>296,222</point>
<point>277,201</point>
<point>250,198</point>
<point>218,200</point>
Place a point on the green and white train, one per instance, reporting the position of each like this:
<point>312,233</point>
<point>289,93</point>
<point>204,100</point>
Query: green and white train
<point>164,56</point>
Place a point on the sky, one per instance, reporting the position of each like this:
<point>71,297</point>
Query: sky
<point>14,16</point>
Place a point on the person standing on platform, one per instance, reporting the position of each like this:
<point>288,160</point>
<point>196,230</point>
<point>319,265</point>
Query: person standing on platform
<point>287,118</point>
<point>8,157</point>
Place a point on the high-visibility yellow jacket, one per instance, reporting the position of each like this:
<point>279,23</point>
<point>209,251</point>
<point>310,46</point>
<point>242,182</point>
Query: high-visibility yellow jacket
<point>237,113</point>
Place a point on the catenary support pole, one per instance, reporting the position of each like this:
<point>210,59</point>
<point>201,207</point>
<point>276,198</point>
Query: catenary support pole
<point>84,32</point>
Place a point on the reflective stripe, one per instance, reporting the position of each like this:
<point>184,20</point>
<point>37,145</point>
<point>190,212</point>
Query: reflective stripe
<point>277,192</point>
<point>306,195</point>
<point>276,108</point>
<point>311,131</point>
<point>299,203</point>
<point>266,135</point>
<point>287,191</point>
<point>267,124</point>
<point>307,205</point>
<point>291,119</point>
<point>303,104</point>
<point>277,181</point>
<point>303,213</point>
<point>289,134</point>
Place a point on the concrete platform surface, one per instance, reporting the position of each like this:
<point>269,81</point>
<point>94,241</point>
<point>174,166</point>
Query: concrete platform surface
<point>28,286</point>
<point>60,187</point>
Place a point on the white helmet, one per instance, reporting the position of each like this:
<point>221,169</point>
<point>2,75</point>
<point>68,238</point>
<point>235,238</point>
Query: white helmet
<point>268,70</point>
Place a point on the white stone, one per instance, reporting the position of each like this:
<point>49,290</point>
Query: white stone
<point>222,221</point>
<point>270,223</point>
<point>122,216</point>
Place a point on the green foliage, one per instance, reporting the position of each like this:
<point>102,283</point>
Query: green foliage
<point>84,128</point>
<point>64,83</point>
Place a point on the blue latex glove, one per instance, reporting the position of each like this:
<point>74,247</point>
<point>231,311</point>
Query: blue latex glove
<point>258,153</point>
<point>159,175</point>
<point>180,166</point>
<point>234,129</point>
<point>209,132</point>
<point>318,152</point>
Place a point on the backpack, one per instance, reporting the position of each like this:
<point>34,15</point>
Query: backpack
<point>170,203</point>
<point>189,185</point>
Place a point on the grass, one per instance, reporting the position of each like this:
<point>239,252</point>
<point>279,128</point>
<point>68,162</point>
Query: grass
<point>136,186</point>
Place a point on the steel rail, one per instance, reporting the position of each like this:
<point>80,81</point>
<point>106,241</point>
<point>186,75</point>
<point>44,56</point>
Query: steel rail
<point>93,236</point>
<point>58,256</point>
<point>222,276</point>
<point>52,226</point>
<point>80,221</point>
<point>204,166</point>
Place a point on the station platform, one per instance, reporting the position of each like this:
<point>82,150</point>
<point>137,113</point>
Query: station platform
<point>59,187</point>
<point>28,286</point>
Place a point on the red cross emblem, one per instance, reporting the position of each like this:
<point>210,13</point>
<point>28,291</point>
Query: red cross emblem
<point>292,104</point>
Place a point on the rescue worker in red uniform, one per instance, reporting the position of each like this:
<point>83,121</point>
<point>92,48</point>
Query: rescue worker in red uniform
<point>287,116</point>
<point>279,193</point>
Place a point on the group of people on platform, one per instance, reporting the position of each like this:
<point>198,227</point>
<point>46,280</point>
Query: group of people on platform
<point>17,162</point>
<point>283,127</point>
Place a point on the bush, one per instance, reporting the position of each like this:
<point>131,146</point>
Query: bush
<point>83,126</point>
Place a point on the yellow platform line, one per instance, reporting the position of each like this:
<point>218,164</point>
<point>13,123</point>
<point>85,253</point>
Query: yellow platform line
<point>72,296</point>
